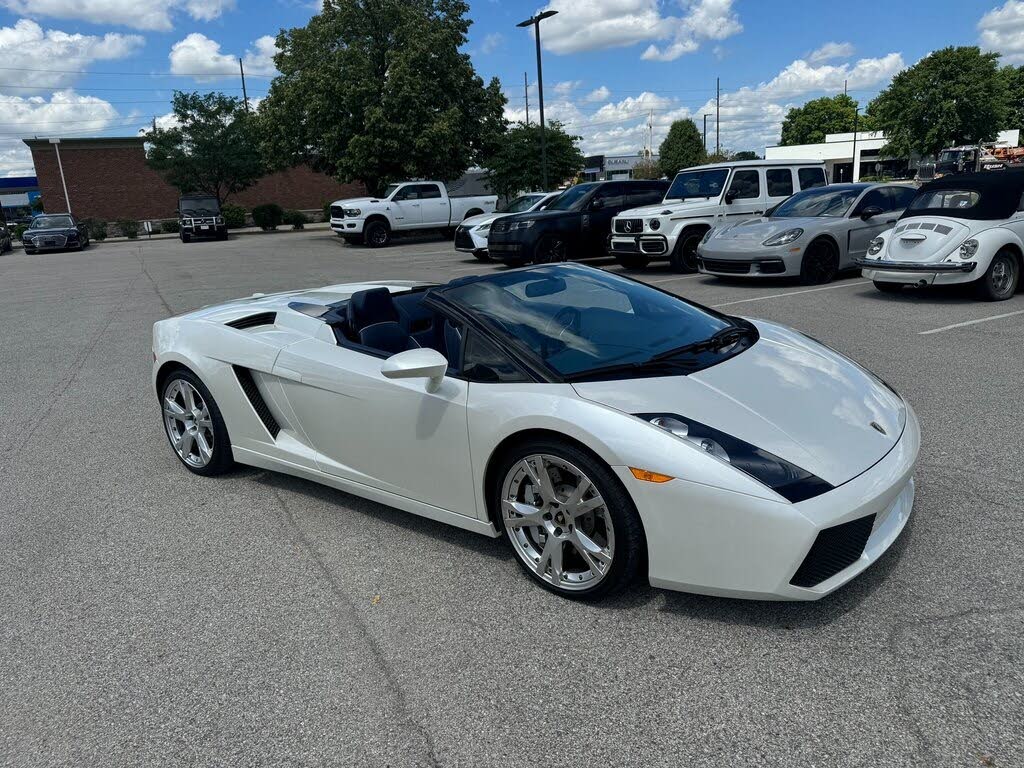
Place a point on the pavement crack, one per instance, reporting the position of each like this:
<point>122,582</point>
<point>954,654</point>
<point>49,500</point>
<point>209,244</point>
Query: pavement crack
<point>156,288</point>
<point>379,658</point>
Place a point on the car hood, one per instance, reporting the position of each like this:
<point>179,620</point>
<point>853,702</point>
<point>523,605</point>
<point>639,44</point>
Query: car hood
<point>672,207</point>
<point>355,202</point>
<point>924,238</point>
<point>759,230</point>
<point>787,394</point>
<point>483,218</point>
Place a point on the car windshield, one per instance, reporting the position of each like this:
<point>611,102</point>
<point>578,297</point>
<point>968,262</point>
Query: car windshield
<point>569,199</point>
<point>52,222</point>
<point>945,199</point>
<point>708,183</point>
<point>820,201</point>
<point>580,321</point>
<point>522,203</point>
<point>200,206</point>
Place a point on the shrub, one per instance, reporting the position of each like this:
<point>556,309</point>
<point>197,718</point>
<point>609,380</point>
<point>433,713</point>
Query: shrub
<point>97,229</point>
<point>234,216</point>
<point>129,228</point>
<point>297,219</point>
<point>327,211</point>
<point>268,217</point>
<point>170,225</point>
<point>19,230</point>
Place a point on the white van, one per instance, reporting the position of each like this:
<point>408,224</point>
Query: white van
<point>701,197</point>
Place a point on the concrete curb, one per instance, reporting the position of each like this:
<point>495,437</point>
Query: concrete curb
<point>320,225</point>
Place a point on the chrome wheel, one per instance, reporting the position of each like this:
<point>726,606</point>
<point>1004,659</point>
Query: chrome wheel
<point>558,522</point>
<point>188,423</point>
<point>1002,276</point>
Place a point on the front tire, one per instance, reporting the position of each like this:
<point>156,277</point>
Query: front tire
<point>186,238</point>
<point>194,425</point>
<point>633,260</point>
<point>684,255</point>
<point>377,234</point>
<point>481,256</point>
<point>571,524</point>
<point>551,249</point>
<point>820,263</point>
<point>1001,278</point>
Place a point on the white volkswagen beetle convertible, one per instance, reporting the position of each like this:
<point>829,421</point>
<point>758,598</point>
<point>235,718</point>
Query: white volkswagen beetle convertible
<point>599,424</point>
<point>957,229</point>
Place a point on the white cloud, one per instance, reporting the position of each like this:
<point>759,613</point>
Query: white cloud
<point>1002,30</point>
<point>138,14</point>
<point>492,42</point>
<point>565,88</point>
<point>598,94</point>
<point>831,51</point>
<point>27,45</point>
<point>587,25</point>
<point>200,57</point>
<point>64,113</point>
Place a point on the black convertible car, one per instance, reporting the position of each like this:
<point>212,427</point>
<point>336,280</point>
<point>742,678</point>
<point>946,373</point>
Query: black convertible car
<point>55,232</point>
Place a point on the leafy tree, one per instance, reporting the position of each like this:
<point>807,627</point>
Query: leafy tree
<point>379,90</point>
<point>1014,79</point>
<point>829,114</point>
<point>515,165</point>
<point>682,148</point>
<point>213,149</point>
<point>647,169</point>
<point>951,97</point>
<point>746,154</point>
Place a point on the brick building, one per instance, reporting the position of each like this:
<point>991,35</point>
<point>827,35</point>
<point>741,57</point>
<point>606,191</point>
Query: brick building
<point>108,179</point>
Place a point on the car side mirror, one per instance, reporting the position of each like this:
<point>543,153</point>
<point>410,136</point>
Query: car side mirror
<point>417,364</point>
<point>870,212</point>
<point>729,197</point>
<point>597,204</point>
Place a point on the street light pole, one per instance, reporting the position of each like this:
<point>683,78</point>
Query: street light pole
<point>535,23</point>
<point>60,165</point>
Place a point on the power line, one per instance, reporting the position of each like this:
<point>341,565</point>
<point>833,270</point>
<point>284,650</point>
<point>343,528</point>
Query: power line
<point>125,74</point>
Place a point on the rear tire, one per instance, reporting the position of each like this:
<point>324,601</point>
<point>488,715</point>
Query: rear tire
<point>633,260</point>
<point>180,388</point>
<point>551,249</point>
<point>888,287</point>
<point>820,263</point>
<point>554,552</point>
<point>377,234</point>
<point>684,255</point>
<point>1001,278</point>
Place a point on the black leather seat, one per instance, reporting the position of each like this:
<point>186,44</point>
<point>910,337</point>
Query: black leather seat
<point>369,308</point>
<point>387,337</point>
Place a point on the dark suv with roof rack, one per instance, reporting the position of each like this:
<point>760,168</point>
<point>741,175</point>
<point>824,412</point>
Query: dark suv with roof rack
<point>199,216</point>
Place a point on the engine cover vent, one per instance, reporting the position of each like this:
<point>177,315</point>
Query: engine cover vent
<point>259,405</point>
<point>254,321</point>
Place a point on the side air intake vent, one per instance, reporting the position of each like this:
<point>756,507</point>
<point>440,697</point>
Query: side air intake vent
<point>256,399</point>
<point>254,321</point>
<point>833,550</point>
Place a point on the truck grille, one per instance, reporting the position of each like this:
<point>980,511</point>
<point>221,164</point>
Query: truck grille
<point>629,226</point>
<point>337,212</point>
<point>834,549</point>
<point>463,239</point>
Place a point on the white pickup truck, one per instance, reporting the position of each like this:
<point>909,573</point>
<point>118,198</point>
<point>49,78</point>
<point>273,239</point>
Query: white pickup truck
<point>404,207</point>
<point>699,199</point>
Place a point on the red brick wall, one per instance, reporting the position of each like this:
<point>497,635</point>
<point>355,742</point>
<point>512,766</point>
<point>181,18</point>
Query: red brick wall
<point>109,180</point>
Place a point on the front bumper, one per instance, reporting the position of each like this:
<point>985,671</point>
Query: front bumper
<point>917,273</point>
<point>348,226</point>
<point>467,241</point>
<point>709,541</point>
<point>648,245</point>
<point>505,248</point>
<point>879,265</point>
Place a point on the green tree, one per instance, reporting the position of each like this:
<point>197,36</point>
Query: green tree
<point>379,90</point>
<point>683,147</point>
<point>647,169</point>
<point>951,97</point>
<point>1014,79</point>
<point>515,165</point>
<point>213,149</point>
<point>829,114</point>
<point>745,154</point>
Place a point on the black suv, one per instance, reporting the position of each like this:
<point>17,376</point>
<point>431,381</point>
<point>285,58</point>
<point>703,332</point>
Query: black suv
<point>199,216</point>
<point>575,226</point>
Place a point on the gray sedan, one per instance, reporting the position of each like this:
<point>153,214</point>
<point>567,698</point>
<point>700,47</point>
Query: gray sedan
<point>812,235</point>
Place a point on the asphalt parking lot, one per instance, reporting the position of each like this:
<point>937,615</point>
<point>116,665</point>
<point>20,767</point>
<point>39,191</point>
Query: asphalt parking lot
<point>151,617</point>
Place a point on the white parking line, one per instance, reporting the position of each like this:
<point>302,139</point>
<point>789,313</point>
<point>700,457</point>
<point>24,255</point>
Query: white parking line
<point>673,279</point>
<point>790,293</point>
<point>971,322</point>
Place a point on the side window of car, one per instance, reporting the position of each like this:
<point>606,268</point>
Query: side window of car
<point>780,182</point>
<point>875,198</point>
<point>612,196</point>
<point>901,197</point>
<point>407,193</point>
<point>482,361</point>
<point>811,177</point>
<point>643,194</point>
<point>429,191</point>
<point>745,184</point>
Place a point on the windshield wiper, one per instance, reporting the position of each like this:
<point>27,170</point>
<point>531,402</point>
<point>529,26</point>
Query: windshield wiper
<point>719,339</point>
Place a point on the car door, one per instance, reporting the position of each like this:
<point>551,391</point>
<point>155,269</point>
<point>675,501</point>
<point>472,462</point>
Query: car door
<point>390,434</point>
<point>405,207</point>
<point>436,207</point>
<point>608,201</point>
<point>863,231</point>
<point>745,195</point>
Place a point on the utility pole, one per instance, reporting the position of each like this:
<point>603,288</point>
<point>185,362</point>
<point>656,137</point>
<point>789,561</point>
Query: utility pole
<point>60,165</point>
<point>526,93</point>
<point>845,83</point>
<point>718,115</point>
<point>245,95</point>
<point>706,116</point>
<point>535,23</point>
<point>856,114</point>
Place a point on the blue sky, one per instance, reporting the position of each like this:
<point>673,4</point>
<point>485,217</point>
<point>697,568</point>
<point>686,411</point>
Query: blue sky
<point>108,67</point>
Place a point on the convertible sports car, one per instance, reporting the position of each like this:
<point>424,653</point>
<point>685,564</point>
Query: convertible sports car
<point>597,423</point>
<point>814,234</point>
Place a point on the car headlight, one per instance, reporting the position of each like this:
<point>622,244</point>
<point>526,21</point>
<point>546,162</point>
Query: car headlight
<point>707,235</point>
<point>483,229</point>
<point>352,211</point>
<point>521,224</point>
<point>875,246</point>
<point>784,237</point>
<point>219,220</point>
<point>968,249</point>
<point>786,479</point>
<point>654,224</point>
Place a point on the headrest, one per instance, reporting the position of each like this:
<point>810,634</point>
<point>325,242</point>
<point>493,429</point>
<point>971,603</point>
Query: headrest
<point>371,306</point>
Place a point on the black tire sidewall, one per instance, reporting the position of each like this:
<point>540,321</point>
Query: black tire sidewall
<point>815,247</point>
<point>630,540</point>
<point>371,228</point>
<point>985,287</point>
<point>222,459</point>
<point>678,257</point>
<point>633,260</point>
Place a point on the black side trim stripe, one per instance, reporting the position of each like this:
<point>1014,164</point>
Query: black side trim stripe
<point>253,321</point>
<point>259,405</point>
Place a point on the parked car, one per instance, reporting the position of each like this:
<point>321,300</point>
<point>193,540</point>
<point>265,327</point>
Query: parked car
<point>405,207</point>
<point>701,197</point>
<point>605,428</point>
<point>957,229</point>
<point>812,235</point>
<point>199,216</point>
<point>471,234</point>
<point>55,232</point>
<point>574,226</point>
<point>6,239</point>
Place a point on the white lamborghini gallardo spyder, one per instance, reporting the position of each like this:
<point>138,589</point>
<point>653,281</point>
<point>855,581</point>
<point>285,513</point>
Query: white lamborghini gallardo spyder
<point>597,423</point>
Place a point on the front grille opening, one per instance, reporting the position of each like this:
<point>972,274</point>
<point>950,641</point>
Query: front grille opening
<point>729,267</point>
<point>834,549</point>
<point>259,405</point>
<point>254,321</point>
<point>629,226</point>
